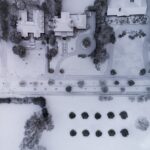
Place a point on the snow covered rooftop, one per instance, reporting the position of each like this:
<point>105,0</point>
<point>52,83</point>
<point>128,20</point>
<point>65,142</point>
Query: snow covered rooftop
<point>31,23</point>
<point>64,26</point>
<point>126,7</point>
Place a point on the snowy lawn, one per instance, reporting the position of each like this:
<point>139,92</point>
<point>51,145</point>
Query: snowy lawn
<point>3,57</point>
<point>33,65</point>
<point>81,66</point>
<point>128,56</point>
<point>12,121</point>
<point>76,6</point>
<point>59,138</point>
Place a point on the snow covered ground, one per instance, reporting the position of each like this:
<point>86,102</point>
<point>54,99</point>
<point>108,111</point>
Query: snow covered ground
<point>128,60</point>
<point>33,65</point>
<point>128,55</point>
<point>76,6</point>
<point>59,138</point>
<point>12,121</point>
<point>78,66</point>
<point>13,118</point>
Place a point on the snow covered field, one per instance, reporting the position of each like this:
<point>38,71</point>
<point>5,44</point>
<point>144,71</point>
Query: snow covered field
<point>12,121</point>
<point>59,138</point>
<point>78,66</point>
<point>76,6</point>
<point>128,54</point>
<point>13,118</point>
<point>128,60</point>
<point>33,65</point>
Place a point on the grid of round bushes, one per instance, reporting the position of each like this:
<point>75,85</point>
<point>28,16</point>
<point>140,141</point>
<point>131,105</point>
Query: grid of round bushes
<point>98,133</point>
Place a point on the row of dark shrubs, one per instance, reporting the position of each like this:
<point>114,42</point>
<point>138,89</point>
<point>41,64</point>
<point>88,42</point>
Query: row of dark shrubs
<point>27,100</point>
<point>98,133</point>
<point>40,101</point>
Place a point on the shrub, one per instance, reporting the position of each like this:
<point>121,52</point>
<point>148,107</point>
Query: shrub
<point>116,82</point>
<point>131,82</point>
<point>142,71</point>
<point>15,37</point>
<point>51,82</point>
<point>5,100</point>
<point>62,71</point>
<point>142,124</point>
<point>86,42</point>
<point>69,89</point>
<point>41,101</point>
<point>52,53</point>
<point>81,84</point>
<point>124,132</point>
<point>51,70</point>
<point>13,21</point>
<point>19,50</point>
<point>45,113</point>
<point>113,72</point>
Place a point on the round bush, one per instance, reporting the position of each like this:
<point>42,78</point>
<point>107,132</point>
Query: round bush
<point>142,72</point>
<point>85,133</point>
<point>98,133</point>
<point>124,132</point>
<point>123,115</point>
<point>81,84</point>
<point>19,50</point>
<point>62,71</point>
<point>72,115</point>
<point>111,132</point>
<point>85,115</point>
<point>113,72</point>
<point>73,133</point>
<point>98,116</point>
<point>69,89</point>
<point>110,115</point>
<point>116,82</point>
<point>86,42</point>
<point>131,82</point>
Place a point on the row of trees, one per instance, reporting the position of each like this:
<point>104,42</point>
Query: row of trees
<point>4,17</point>
<point>34,128</point>
<point>104,33</point>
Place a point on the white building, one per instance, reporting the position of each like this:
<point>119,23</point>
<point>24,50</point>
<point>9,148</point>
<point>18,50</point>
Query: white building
<point>65,25</point>
<point>126,7</point>
<point>31,22</point>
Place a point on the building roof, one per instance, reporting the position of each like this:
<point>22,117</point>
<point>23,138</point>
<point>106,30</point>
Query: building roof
<point>64,26</point>
<point>127,7</point>
<point>36,26</point>
<point>79,21</point>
